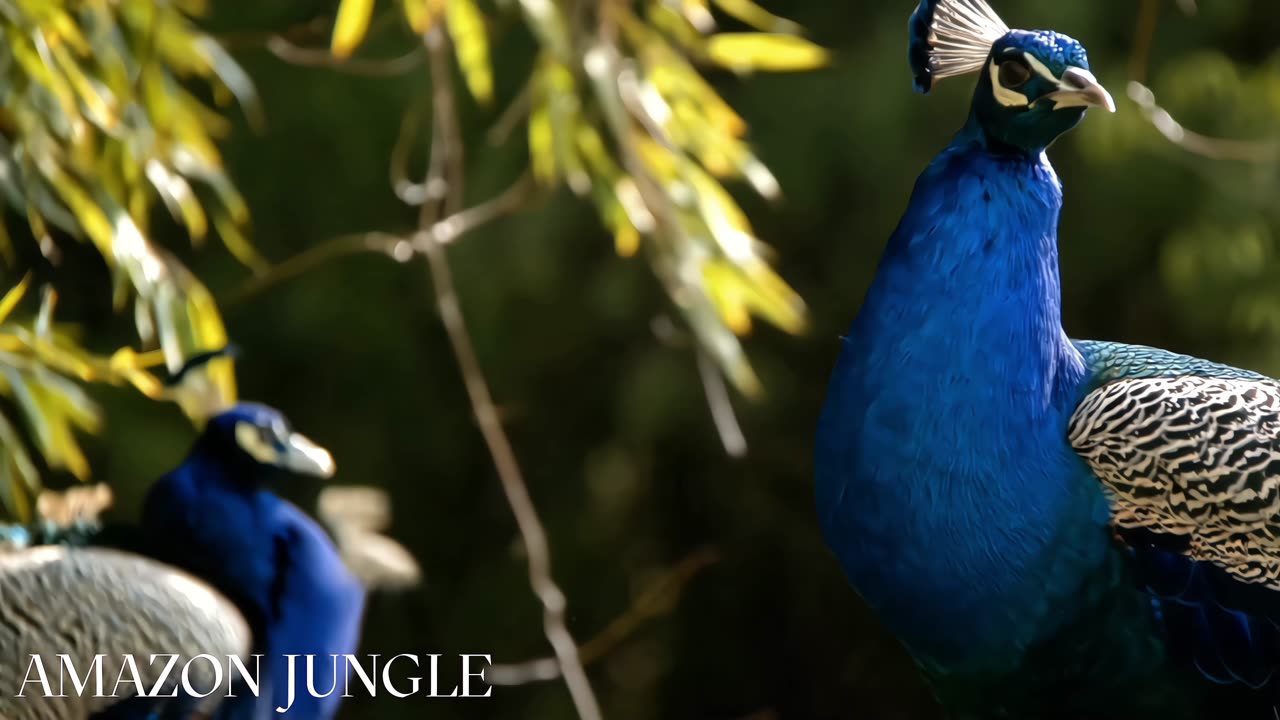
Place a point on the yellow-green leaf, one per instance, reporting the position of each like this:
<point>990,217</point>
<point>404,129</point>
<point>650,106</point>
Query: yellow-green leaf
<point>13,297</point>
<point>350,26</point>
<point>541,153</point>
<point>471,45</point>
<point>419,14</point>
<point>748,52</point>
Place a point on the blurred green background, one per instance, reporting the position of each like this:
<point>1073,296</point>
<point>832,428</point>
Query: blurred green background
<point>1159,246</point>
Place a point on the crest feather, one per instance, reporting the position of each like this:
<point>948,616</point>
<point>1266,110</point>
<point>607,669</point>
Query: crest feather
<point>951,37</point>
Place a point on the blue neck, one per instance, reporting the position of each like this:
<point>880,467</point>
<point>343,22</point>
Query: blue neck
<point>944,478</point>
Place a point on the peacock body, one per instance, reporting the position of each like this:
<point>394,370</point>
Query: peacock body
<point>1053,528</point>
<point>220,565</point>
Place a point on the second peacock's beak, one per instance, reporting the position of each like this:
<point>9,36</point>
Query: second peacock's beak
<point>1079,88</point>
<point>303,456</point>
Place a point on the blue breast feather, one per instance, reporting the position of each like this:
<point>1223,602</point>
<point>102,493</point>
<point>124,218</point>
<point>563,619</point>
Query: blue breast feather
<point>275,563</point>
<point>944,480</point>
<point>947,488</point>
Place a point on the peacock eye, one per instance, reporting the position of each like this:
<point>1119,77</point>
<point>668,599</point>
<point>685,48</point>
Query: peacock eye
<point>1014,74</point>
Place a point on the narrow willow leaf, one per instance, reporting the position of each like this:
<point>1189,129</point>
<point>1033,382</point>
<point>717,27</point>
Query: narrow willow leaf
<point>233,77</point>
<point>179,198</point>
<point>723,288</point>
<point>419,14</point>
<point>13,297</point>
<point>97,100</point>
<point>541,155</point>
<point>677,26</point>
<point>674,78</point>
<point>749,52</point>
<point>721,213</point>
<point>698,13</point>
<point>471,45</point>
<point>19,469</point>
<point>720,342</point>
<point>238,243</point>
<point>350,26</point>
<point>548,24</point>
<point>89,216</point>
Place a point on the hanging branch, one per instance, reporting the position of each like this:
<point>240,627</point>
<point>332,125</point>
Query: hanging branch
<point>446,166</point>
<point>1249,151</point>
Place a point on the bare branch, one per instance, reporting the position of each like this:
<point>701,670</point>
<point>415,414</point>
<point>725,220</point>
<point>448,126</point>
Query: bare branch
<point>517,111</point>
<point>460,223</point>
<point>409,192</point>
<point>400,249</point>
<point>287,51</point>
<point>1248,151</point>
<point>656,600</point>
<point>394,247</point>
<point>305,31</point>
<point>446,165</point>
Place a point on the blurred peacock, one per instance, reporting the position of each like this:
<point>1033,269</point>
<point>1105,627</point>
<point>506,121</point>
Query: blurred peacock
<point>263,578</point>
<point>1054,528</point>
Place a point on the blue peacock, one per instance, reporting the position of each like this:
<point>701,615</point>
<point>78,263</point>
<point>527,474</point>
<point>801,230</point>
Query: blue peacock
<point>1054,528</point>
<point>227,565</point>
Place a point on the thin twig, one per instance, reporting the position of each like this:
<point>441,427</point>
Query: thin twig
<point>394,247</point>
<point>1249,151</point>
<point>293,54</point>
<point>445,231</point>
<point>398,248</point>
<point>410,193</point>
<point>656,600</point>
<point>511,116</point>
<point>726,422</point>
<point>530,526</point>
<point>306,30</point>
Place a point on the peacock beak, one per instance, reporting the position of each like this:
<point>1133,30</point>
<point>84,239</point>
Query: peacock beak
<point>1079,88</point>
<point>305,457</point>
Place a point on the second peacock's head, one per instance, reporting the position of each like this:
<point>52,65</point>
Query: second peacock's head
<point>1032,85</point>
<point>256,437</point>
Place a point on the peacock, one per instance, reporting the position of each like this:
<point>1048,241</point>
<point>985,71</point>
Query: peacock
<point>219,564</point>
<point>215,517</point>
<point>1053,528</point>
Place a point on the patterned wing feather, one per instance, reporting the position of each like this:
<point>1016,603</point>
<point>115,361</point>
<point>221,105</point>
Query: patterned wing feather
<point>94,601</point>
<point>1193,457</point>
<point>1189,451</point>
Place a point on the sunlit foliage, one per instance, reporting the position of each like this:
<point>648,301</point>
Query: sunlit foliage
<point>619,110</point>
<point>99,119</point>
<point>41,369</point>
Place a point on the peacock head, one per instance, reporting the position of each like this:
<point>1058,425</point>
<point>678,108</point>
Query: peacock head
<point>1032,85</point>
<point>257,437</point>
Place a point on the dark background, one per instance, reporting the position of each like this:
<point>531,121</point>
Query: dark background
<point>1159,246</point>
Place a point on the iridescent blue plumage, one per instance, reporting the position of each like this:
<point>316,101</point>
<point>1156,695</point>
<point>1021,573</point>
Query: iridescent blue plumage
<point>1034,516</point>
<point>214,517</point>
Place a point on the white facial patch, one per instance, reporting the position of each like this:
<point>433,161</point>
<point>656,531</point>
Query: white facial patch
<point>1005,96</point>
<point>249,438</point>
<point>1013,98</point>
<point>1041,69</point>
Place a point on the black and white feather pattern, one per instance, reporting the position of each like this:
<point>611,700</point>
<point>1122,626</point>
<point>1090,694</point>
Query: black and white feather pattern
<point>1195,457</point>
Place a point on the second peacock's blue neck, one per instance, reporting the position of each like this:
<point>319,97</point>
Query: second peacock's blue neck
<point>945,480</point>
